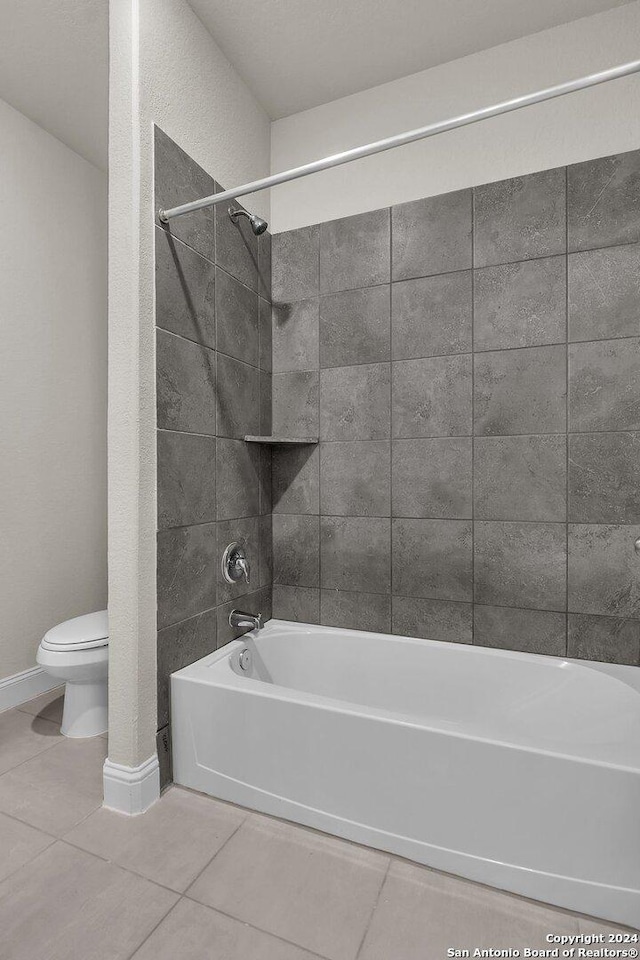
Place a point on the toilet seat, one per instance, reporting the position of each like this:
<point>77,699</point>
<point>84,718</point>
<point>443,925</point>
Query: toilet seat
<point>81,633</point>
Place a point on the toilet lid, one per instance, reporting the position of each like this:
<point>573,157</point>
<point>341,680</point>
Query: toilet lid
<point>91,630</point>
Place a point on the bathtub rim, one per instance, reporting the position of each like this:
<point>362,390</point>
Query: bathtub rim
<point>201,672</point>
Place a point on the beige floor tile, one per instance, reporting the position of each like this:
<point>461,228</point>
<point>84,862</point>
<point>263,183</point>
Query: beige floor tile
<point>48,705</point>
<point>170,843</point>
<point>68,904</point>
<point>18,844</point>
<point>194,932</point>
<point>313,890</point>
<point>602,926</point>
<point>56,789</point>
<point>23,736</point>
<point>420,914</point>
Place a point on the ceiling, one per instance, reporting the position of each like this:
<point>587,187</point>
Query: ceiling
<point>54,69</point>
<point>296,54</point>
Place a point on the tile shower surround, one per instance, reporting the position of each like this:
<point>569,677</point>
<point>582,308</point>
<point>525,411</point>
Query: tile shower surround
<point>471,363</point>
<point>213,368</point>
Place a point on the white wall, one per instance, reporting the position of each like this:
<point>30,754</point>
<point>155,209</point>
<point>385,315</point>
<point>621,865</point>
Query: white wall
<point>165,69</point>
<point>53,402</point>
<point>582,126</point>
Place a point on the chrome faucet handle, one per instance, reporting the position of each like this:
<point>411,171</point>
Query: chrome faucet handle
<point>245,567</point>
<point>235,564</point>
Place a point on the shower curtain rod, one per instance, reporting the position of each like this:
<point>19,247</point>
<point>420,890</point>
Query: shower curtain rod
<point>400,139</point>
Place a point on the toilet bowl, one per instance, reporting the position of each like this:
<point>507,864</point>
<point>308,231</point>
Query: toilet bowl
<point>77,651</point>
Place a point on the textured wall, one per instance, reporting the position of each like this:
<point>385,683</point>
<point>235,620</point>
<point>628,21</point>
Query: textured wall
<point>213,359</point>
<point>573,128</point>
<point>53,389</point>
<point>471,363</point>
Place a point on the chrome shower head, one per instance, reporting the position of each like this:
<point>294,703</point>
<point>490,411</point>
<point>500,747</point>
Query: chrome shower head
<point>257,225</point>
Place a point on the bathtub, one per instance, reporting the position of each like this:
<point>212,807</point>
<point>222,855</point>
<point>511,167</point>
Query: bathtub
<point>514,770</point>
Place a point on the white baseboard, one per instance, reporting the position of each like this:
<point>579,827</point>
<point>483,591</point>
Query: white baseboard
<point>131,790</point>
<point>22,687</point>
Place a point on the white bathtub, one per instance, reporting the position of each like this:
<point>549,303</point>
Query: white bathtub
<point>515,770</point>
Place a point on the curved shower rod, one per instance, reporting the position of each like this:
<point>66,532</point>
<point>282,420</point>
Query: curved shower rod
<point>400,139</point>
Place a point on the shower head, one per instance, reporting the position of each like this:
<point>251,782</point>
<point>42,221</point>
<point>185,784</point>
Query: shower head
<point>257,225</point>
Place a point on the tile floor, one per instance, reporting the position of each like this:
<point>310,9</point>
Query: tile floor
<point>195,878</point>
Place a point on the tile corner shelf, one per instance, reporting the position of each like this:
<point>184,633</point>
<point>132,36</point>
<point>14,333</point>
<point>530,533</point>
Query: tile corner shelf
<point>283,441</point>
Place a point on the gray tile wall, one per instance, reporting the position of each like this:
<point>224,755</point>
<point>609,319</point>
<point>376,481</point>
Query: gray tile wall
<point>213,365</point>
<point>471,363</point>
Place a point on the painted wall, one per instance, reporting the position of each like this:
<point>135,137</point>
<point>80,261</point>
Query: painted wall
<point>582,126</point>
<point>471,364</point>
<point>53,402</point>
<point>165,69</point>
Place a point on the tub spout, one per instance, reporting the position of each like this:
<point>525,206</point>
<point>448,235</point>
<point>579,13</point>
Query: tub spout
<point>238,620</point>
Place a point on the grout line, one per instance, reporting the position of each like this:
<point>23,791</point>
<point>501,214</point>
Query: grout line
<point>131,955</point>
<point>374,908</point>
<point>219,850</point>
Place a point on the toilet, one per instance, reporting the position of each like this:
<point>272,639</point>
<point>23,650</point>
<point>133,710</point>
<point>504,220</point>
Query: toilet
<point>77,651</point>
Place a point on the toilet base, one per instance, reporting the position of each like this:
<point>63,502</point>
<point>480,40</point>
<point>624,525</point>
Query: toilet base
<point>85,709</point>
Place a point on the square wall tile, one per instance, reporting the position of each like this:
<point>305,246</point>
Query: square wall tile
<point>433,619</point>
<point>604,201</point>
<point>246,532</point>
<point>355,251</point>
<point>187,571</point>
<point>295,476</point>
<point>520,304</point>
<point>238,397</point>
<point>520,391</point>
<point>178,646</point>
<point>355,327</point>
<point>604,293</point>
<point>185,290</point>
<point>520,478</point>
<point>295,258</point>
<point>265,543</point>
<point>521,564</point>
<point>530,631</point>
<point>432,315</point>
<point>355,402</point>
<point>355,478</point>
<point>185,385</point>
<point>432,478</point>
<point>296,550</point>
<point>433,559</point>
<point>432,236</point>
<point>604,478</point>
<point>240,479</point>
<point>521,218</point>
<point>603,570</point>
<point>177,177</point>
<point>604,385</point>
<point>186,479</point>
<point>295,336</point>
<point>296,410</point>
<point>300,604</point>
<point>236,246</point>
<point>237,319</point>
<point>607,639</point>
<point>355,611</point>
<point>354,554</point>
<point>432,397</point>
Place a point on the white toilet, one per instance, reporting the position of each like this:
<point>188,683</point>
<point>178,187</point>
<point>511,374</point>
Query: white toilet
<point>77,651</point>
